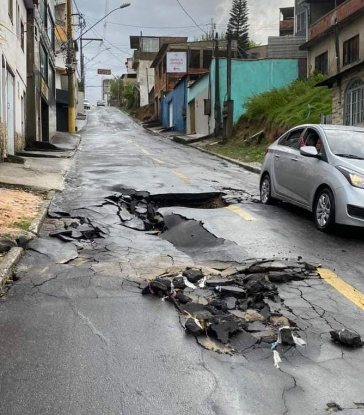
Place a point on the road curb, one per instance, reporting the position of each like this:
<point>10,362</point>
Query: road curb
<point>8,263</point>
<point>39,219</point>
<point>245,166</point>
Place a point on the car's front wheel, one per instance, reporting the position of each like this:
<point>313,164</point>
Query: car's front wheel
<point>266,191</point>
<point>324,210</point>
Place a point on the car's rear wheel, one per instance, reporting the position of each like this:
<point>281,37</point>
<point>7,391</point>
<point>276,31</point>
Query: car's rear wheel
<point>324,210</point>
<point>266,190</point>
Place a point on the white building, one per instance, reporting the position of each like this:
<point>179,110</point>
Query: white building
<point>13,74</point>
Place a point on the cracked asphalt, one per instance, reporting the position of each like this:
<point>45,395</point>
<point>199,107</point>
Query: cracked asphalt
<point>77,337</point>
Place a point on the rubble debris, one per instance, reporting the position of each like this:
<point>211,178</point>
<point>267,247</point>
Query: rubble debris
<point>238,311</point>
<point>193,327</point>
<point>286,337</point>
<point>347,338</point>
<point>333,407</point>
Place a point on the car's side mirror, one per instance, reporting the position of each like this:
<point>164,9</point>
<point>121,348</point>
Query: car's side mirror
<point>309,151</point>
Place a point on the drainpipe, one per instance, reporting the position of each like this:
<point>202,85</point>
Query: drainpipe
<point>217,89</point>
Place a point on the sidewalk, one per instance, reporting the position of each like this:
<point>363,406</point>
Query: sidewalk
<point>42,170</point>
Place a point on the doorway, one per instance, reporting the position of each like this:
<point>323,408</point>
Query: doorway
<point>192,117</point>
<point>171,114</point>
<point>45,120</point>
<point>10,113</point>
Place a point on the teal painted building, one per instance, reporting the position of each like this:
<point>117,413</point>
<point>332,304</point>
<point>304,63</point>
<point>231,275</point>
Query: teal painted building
<point>251,77</point>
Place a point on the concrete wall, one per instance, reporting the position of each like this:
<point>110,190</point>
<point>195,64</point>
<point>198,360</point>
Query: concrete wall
<point>197,94</point>
<point>15,58</point>
<point>253,77</point>
<point>327,44</point>
<point>145,78</point>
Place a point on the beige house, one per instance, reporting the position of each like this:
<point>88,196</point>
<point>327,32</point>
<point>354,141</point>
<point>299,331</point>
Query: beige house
<point>336,49</point>
<point>13,74</point>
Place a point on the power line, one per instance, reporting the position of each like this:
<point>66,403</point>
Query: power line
<point>194,21</point>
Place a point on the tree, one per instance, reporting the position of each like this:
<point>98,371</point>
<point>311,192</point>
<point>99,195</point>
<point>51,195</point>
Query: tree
<point>238,26</point>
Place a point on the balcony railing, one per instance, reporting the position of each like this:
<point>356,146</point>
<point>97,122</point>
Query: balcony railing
<point>335,17</point>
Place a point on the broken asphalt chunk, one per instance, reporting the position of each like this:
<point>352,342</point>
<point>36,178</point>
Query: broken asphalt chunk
<point>223,329</point>
<point>58,251</point>
<point>243,341</point>
<point>193,327</point>
<point>193,275</point>
<point>347,338</point>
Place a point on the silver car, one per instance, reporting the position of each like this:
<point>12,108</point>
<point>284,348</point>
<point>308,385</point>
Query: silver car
<point>319,168</point>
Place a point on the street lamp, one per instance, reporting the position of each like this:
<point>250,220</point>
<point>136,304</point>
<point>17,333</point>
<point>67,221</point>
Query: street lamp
<point>123,6</point>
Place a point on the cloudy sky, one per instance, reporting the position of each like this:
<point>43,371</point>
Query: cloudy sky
<point>161,18</point>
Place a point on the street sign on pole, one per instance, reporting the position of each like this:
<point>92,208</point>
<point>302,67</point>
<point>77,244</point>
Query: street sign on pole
<point>176,62</point>
<point>104,71</point>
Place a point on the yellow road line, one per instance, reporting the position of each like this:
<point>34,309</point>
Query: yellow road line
<point>242,213</point>
<point>181,176</point>
<point>159,161</point>
<point>343,287</point>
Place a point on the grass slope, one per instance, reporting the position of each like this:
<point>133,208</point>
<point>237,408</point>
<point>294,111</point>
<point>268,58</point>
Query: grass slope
<point>273,112</point>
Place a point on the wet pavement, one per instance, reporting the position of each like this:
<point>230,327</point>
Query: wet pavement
<point>77,337</point>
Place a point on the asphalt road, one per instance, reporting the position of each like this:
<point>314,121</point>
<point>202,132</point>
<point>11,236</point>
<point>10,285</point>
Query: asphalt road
<point>77,338</point>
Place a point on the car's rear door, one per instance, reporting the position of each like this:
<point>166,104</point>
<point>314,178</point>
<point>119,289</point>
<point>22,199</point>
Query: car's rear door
<point>285,152</point>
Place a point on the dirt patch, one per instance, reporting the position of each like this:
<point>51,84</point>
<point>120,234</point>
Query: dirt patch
<point>17,209</point>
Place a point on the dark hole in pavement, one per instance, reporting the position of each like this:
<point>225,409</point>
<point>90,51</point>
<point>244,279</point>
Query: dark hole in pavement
<point>139,210</point>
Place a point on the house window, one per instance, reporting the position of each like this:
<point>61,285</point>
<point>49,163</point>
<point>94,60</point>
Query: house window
<point>301,22</point>
<point>207,58</point>
<point>10,9</point>
<point>194,59</point>
<point>50,29</point>
<point>354,103</point>
<point>43,63</point>
<point>51,79</point>
<point>43,11</point>
<point>22,35</point>
<point>351,50</point>
<point>150,45</point>
<point>322,63</point>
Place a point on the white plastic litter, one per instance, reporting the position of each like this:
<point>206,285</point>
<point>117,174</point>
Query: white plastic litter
<point>202,282</point>
<point>277,359</point>
<point>189,284</point>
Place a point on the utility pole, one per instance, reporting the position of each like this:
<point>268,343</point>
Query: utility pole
<point>71,72</point>
<point>217,89</point>
<point>228,111</point>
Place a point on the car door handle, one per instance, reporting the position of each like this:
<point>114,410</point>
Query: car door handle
<point>277,156</point>
<point>294,159</point>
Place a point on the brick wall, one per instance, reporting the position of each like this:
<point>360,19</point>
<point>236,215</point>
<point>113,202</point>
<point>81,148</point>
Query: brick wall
<point>338,97</point>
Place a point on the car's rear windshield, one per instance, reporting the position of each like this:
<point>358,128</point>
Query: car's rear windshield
<point>346,142</point>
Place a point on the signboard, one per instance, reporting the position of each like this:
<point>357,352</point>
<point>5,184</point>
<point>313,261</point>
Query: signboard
<point>44,89</point>
<point>176,62</point>
<point>104,71</point>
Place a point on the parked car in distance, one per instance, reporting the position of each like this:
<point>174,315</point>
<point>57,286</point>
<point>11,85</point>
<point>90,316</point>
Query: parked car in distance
<point>100,103</point>
<point>86,104</point>
<point>319,168</point>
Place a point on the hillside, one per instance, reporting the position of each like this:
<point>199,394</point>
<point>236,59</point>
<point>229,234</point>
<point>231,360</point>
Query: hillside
<point>269,114</point>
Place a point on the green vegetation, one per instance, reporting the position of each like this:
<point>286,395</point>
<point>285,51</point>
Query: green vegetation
<point>298,103</point>
<point>23,224</point>
<point>271,113</point>
<point>248,154</point>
